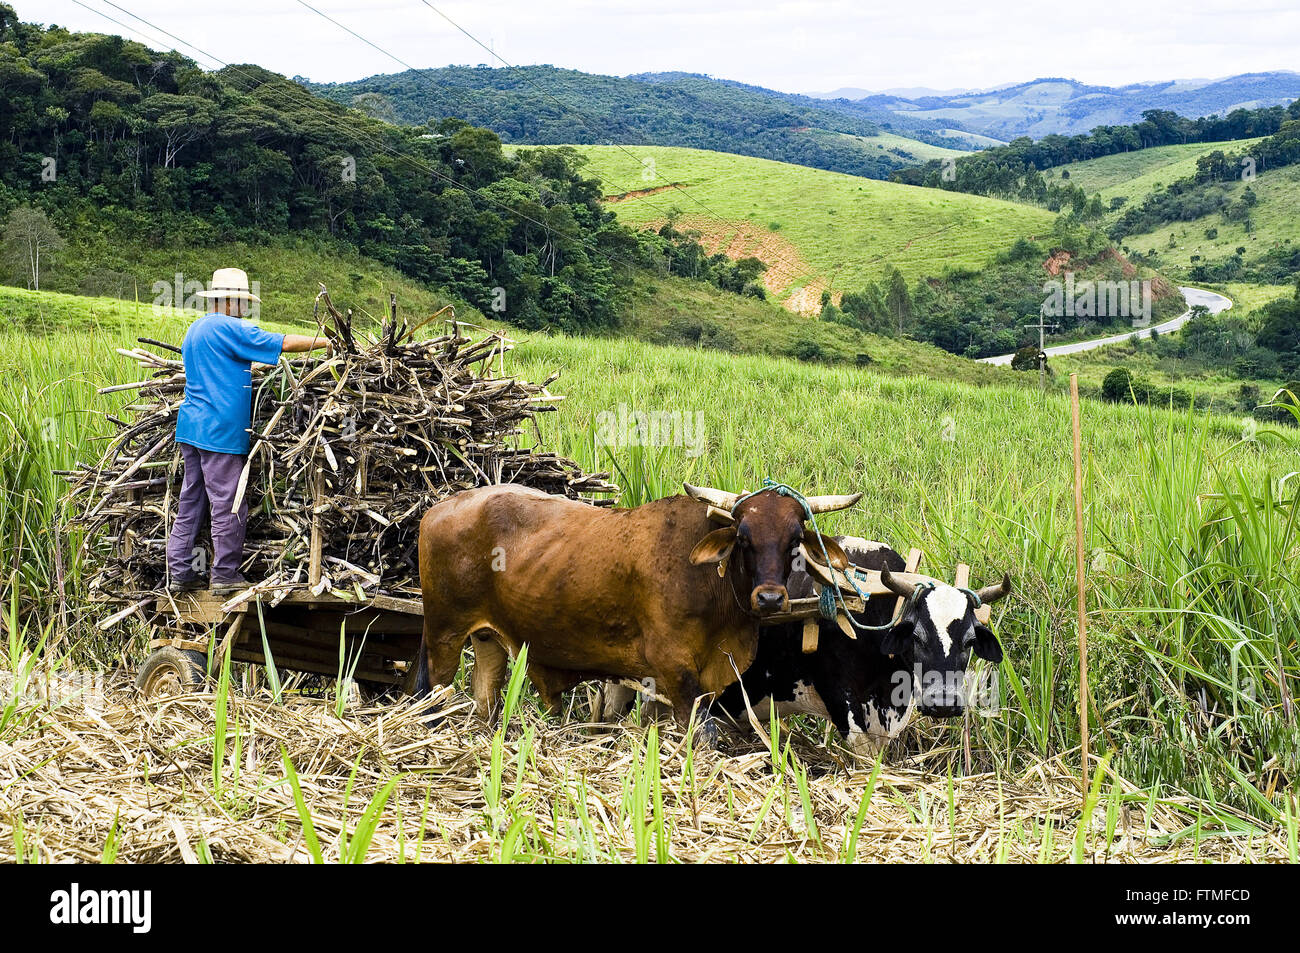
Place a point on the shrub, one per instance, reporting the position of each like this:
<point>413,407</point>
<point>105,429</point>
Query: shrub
<point>809,349</point>
<point>1117,385</point>
<point>1026,358</point>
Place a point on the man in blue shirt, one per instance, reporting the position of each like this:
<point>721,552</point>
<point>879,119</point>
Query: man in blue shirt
<point>212,429</point>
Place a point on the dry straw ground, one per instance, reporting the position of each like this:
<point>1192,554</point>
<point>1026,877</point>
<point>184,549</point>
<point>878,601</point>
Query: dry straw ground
<point>133,781</point>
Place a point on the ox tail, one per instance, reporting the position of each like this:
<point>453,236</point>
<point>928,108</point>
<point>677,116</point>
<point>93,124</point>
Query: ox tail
<point>422,673</point>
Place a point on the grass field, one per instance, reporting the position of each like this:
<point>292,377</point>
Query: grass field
<point>1135,174</point>
<point>1193,545</point>
<point>668,310</point>
<point>816,230</point>
<point>1250,297</point>
<point>974,138</point>
<point>1273,219</point>
<point>886,143</point>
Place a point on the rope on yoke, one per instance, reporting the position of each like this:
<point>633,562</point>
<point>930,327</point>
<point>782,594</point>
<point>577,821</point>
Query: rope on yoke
<point>826,603</point>
<point>831,599</point>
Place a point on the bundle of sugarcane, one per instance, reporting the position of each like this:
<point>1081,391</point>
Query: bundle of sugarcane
<point>347,453</point>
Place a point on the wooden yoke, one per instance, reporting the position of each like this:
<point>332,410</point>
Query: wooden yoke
<point>962,581</point>
<point>809,610</point>
<point>913,564</point>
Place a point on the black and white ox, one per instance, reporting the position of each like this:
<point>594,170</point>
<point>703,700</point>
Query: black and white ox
<point>871,686</point>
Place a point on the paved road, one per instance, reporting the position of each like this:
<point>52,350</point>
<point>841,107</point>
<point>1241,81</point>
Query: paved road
<point>1215,302</point>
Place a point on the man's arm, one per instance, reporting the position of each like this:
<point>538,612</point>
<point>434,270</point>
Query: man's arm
<point>297,343</point>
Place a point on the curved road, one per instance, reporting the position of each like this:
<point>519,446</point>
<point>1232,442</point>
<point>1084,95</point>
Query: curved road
<point>1212,300</point>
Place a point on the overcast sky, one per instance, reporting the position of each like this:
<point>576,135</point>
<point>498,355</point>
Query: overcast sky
<point>797,45</point>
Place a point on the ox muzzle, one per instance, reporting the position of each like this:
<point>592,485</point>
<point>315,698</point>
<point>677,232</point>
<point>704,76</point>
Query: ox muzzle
<point>766,600</point>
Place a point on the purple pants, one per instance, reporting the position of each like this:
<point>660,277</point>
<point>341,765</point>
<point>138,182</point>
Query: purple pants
<point>210,482</point>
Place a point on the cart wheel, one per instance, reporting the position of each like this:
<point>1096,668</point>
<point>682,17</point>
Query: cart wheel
<point>171,671</point>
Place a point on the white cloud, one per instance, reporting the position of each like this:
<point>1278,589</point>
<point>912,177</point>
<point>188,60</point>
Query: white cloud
<point>795,46</point>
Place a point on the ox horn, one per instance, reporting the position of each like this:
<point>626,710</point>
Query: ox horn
<point>829,504</point>
<point>719,498</point>
<point>994,593</point>
<point>897,586</point>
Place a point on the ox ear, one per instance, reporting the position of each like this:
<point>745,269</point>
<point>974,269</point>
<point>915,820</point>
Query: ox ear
<point>987,645</point>
<point>715,547</point>
<point>898,640</point>
<point>839,558</point>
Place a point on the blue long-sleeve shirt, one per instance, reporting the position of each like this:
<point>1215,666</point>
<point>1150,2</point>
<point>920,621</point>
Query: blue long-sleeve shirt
<point>218,352</point>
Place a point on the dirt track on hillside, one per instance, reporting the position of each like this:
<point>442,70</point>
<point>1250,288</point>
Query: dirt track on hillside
<point>639,193</point>
<point>786,268</point>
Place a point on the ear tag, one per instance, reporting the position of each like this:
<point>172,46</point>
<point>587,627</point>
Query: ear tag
<point>722,566</point>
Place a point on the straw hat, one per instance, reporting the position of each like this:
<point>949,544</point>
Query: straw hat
<point>229,283</point>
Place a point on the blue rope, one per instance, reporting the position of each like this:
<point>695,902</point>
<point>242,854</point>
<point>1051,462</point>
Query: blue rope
<point>827,604</point>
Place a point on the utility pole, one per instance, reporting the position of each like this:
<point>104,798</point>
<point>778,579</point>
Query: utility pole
<point>1042,347</point>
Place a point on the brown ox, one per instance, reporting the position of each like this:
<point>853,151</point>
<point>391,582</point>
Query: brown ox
<point>598,593</point>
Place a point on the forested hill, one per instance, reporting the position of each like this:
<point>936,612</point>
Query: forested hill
<point>1013,170</point>
<point>543,105</point>
<point>117,143</point>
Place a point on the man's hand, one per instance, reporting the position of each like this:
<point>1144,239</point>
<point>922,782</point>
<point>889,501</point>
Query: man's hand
<point>298,343</point>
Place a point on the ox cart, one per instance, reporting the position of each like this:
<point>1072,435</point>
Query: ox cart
<point>378,637</point>
<point>310,627</point>
<point>375,640</point>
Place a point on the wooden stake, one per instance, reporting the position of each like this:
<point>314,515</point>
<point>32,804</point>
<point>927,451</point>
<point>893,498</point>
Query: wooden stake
<point>1078,569</point>
<point>961,579</point>
<point>317,541</point>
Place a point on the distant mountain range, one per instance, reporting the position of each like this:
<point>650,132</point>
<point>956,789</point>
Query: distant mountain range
<point>1065,106</point>
<point>872,134</point>
<point>543,105</point>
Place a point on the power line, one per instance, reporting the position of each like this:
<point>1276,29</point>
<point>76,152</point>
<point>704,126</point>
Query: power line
<point>492,52</point>
<point>797,267</point>
<point>427,75</point>
<point>315,102</point>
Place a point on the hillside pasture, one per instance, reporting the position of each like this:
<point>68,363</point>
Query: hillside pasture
<point>841,231</point>
<point>1135,174</point>
<point>1274,225</point>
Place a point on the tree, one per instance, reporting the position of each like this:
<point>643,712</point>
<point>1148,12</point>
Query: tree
<point>178,120</point>
<point>1279,329</point>
<point>898,300</point>
<point>30,236</point>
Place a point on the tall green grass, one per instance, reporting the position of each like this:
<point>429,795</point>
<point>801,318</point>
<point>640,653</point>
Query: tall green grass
<point>1194,557</point>
<point>1191,531</point>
